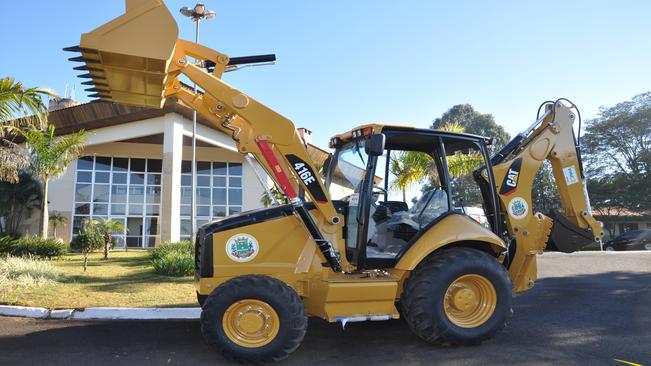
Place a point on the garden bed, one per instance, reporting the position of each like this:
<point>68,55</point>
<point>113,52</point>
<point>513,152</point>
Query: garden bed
<point>126,279</point>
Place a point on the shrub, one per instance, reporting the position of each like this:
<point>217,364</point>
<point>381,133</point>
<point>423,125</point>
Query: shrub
<point>183,247</point>
<point>25,272</point>
<point>5,244</point>
<point>175,264</point>
<point>37,247</point>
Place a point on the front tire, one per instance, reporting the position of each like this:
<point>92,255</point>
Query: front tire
<point>459,296</point>
<point>254,319</point>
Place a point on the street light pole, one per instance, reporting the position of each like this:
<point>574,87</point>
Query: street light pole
<point>196,14</point>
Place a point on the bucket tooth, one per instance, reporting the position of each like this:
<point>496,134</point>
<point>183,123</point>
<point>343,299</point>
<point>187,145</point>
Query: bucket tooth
<point>92,90</point>
<point>77,59</point>
<point>86,68</point>
<point>72,49</point>
<point>94,83</point>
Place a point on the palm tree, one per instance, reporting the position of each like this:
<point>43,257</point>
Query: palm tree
<point>409,167</point>
<point>50,156</point>
<point>106,228</point>
<point>56,219</point>
<point>18,107</point>
<point>17,201</point>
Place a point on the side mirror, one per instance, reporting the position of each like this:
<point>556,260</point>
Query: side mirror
<point>375,145</point>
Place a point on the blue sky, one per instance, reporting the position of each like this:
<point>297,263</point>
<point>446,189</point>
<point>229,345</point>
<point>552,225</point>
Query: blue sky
<point>345,63</point>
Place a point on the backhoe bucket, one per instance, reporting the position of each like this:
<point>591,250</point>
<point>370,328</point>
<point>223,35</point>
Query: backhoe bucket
<point>127,59</point>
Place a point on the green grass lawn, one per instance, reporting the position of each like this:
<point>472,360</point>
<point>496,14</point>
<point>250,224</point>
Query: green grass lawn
<point>125,279</point>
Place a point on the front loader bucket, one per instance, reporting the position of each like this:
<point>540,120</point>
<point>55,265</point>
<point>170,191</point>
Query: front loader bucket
<point>127,59</point>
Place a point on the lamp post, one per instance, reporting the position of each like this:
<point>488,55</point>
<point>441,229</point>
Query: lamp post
<point>196,14</point>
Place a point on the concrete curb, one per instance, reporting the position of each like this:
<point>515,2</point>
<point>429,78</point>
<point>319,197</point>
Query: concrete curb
<point>595,253</point>
<point>102,313</point>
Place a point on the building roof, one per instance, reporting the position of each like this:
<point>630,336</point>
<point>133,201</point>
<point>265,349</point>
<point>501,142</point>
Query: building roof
<point>100,114</point>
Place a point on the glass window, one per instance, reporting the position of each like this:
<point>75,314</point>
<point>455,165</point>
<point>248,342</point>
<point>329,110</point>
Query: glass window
<point>85,162</point>
<point>203,210</point>
<point>186,229</point>
<point>102,163</point>
<point>78,223</point>
<point>153,194</point>
<point>219,181</point>
<point>85,177</point>
<point>82,192</point>
<point>153,210</point>
<point>203,181</point>
<point>218,211</point>
<point>120,178</point>
<point>235,182</point>
<point>186,195</point>
<point>185,210</point>
<point>234,196</point>
<point>203,196</point>
<point>119,241</point>
<point>153,179</point>
<point>186,180</point>
<point>152,241</point>
<point>186,166</point>
<point>235,169</point>
<point>82,208</point>
<point>102,177</point>
<point>154,165</point>
<point>203,167</point>
<point>119,193</point>
<point>136,178</point>
<point>101,193</point>
<point>137,165</point>
<point>219,196</point>
<point>135,210</point>
<point>219,168</point>
<point>151,226</point>
<point>120,164</point>
<point>234,209</point>
<point>100,209</point>
<point>136,194</point>
<point>118,209</point>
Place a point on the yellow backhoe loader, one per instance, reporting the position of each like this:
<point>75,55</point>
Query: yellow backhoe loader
<point>344,249</point>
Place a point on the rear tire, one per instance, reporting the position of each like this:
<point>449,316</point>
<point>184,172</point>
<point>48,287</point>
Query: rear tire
<point>458,296</point>
<point>254,319</point>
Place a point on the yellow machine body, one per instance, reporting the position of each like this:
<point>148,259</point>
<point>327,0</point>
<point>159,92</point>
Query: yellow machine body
<point>137,58</point>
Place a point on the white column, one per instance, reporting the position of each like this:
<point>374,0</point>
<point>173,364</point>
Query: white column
<point>171,190</point>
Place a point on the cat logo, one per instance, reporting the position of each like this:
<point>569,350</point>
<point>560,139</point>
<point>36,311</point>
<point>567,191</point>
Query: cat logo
<point>510,182</point>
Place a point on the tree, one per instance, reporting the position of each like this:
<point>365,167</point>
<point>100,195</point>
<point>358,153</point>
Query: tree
<point>617,154</point>
<point>409,167</point>
<point>55,219</point>
<point>277,194</point>
<point>106,228</point>
<point>465,116</point>
<point>19,106</point>
<point>50,156</point>
<point>17,201</point>
<point>88,240</point>
<point>544,194</point>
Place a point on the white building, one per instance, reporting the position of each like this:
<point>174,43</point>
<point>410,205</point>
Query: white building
<point>136,169</point>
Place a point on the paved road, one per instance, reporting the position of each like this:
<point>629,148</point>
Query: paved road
<point>586,309</point>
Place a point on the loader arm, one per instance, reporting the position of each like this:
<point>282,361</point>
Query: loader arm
<point>550,138</point>
<point>137,58</point>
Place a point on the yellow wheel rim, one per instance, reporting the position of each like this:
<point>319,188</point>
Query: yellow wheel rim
<point>470,301</point>
<point>251,323</point>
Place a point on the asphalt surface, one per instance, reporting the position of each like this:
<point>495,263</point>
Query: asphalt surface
<point>587,309</point>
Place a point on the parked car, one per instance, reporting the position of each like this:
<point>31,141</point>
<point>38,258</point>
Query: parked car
<point>632,240</point>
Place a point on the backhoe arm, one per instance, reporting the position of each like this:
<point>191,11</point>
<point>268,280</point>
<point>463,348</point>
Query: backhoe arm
<point>137,58</point>
<point>515,167</point>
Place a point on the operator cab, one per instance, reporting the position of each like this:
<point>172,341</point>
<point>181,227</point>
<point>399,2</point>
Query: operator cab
<point>398,182</point>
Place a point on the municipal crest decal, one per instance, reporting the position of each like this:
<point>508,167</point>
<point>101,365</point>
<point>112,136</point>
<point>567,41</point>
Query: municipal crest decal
<point>242,247</point>
<point>518,208</point>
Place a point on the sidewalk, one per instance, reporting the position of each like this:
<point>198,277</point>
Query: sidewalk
<point>102,313</point>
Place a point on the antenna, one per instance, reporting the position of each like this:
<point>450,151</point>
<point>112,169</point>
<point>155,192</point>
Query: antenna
<point>65,93</point>
<point>73,92</point>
